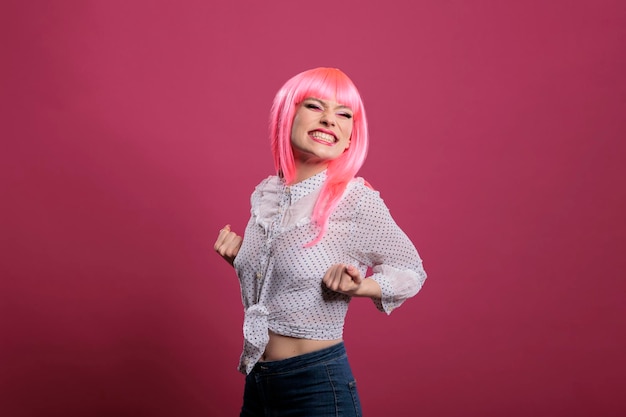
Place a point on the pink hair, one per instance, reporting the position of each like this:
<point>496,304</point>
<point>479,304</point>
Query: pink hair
<point>325,84</point>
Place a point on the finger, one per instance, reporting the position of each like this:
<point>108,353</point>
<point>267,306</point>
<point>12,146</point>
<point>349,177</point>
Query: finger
<point>332,278</point>
<point>221,237</point>
<point>354,273</point>
<point>340,280</point>
<point>346,284</point>
<point>327,280</point>
<point>229,245</point>
<point>229,254</point>
<point>231,249</point>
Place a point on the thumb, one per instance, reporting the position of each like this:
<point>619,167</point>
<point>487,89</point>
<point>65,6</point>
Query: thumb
<point>354,273</point>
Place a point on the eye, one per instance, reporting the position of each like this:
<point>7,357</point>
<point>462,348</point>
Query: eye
<point>312,106</point>
<point>345,115</point>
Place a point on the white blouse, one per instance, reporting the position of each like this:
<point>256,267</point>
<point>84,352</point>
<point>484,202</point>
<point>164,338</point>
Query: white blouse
<point>281,279</point>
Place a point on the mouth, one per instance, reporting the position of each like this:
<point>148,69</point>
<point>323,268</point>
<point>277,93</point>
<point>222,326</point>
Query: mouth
<point>323,137</point>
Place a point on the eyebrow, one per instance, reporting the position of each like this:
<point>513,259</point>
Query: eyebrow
<point>325,103</point>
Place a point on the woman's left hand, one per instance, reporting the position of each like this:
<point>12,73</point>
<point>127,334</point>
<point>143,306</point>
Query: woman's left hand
<point>345,279</point>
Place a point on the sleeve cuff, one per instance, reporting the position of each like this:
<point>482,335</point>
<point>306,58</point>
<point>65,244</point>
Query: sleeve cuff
<point>396,286</point>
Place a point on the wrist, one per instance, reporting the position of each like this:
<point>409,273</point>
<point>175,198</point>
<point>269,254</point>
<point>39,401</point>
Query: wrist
<point>369,288</point>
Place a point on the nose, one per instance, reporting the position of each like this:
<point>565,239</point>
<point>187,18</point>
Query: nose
<point>328,118</point>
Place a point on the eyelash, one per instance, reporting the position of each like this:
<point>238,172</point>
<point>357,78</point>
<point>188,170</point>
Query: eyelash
<point>313,106</point>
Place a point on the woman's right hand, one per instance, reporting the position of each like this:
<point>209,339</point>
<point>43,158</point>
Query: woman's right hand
<point>228,244</point>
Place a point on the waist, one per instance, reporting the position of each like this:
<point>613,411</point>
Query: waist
<point>282,347</point>
<point>329,353</point>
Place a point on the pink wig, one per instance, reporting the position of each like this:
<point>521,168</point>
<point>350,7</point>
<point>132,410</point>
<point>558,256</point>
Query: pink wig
<point>325,84</point>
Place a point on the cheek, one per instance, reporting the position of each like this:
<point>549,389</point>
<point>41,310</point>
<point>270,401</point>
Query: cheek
<point>294,126</point>
<point>299,123</point>
<point>347,130</point>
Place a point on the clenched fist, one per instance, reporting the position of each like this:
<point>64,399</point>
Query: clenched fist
<point>228,244</point>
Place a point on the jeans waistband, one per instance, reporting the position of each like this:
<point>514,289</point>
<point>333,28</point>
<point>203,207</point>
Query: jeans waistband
<point>301,361</point>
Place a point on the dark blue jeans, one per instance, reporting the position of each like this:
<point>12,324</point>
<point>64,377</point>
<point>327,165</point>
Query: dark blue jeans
<point>315,384</point>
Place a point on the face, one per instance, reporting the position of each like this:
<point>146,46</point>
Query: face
<point>321,131</point>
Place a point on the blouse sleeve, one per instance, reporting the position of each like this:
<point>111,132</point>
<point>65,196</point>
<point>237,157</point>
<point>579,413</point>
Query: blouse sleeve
<point>384,247</point>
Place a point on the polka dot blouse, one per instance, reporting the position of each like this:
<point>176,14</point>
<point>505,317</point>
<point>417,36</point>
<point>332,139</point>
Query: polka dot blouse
<point>281,279</point>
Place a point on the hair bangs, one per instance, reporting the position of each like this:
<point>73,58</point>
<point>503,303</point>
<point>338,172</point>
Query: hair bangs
<point>329,84</point>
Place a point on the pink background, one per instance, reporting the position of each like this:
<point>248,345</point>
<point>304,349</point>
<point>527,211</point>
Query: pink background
<point>133,130</point>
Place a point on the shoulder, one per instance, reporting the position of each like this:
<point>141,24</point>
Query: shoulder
<point>270,183</point>
<point>363,188</point>
<point>366,199</point>
<point>360,194</point>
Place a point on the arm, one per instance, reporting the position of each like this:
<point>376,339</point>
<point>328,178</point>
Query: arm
<point>380,244</point>
<point>383,246</point>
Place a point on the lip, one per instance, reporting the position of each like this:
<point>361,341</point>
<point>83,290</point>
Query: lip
<point>323,142</point>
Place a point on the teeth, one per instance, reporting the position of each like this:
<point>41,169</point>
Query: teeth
<point>323,136</point>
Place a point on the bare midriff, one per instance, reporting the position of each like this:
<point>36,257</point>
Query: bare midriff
<point>282,347</point>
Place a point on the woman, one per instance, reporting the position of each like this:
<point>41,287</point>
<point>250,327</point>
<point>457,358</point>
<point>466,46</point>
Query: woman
<point>314,231</point>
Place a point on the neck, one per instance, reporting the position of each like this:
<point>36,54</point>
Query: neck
<point>305,171</point>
